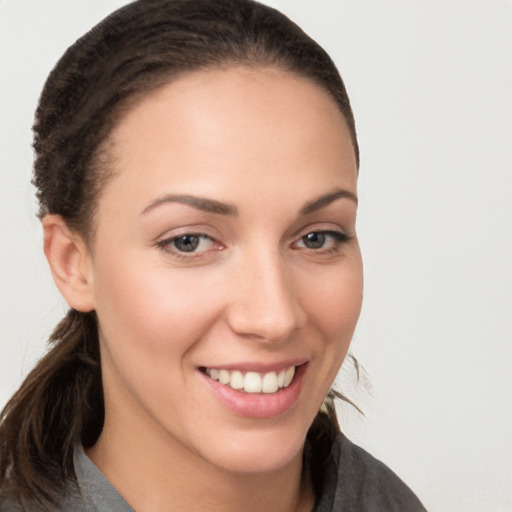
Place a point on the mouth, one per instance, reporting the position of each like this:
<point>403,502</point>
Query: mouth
<point>252,382</point>
<point>256,392</point>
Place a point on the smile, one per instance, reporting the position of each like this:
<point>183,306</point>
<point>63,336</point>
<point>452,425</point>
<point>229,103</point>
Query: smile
<point>253,382</point>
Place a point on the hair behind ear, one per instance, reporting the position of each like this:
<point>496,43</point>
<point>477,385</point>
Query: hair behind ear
<point>59,404</point>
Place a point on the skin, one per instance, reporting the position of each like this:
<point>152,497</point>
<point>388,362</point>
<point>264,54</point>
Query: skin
<point>267,144</point>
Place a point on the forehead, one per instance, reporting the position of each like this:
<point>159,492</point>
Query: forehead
<point>238,125</point>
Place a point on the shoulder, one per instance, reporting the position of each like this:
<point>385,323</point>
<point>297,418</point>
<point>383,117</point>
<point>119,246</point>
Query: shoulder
<point>70,501</point>
<point>358,481</point>
<point>90,492</point>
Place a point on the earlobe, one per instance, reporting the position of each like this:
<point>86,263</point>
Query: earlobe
<point>70,264</point>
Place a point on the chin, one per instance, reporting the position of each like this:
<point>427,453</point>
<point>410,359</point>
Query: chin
<point>259,451</point>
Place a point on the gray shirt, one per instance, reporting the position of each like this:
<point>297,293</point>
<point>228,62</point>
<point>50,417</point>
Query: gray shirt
<point>353,481</point>
<point>96,493</point>
<point>348,479</point>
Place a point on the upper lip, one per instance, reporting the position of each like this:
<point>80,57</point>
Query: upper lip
<point>260,367</point>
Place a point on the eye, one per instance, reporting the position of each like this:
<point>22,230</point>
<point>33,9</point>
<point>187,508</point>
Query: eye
<point>326,240</point>
<point>314,240</point>
<point>188,243</point>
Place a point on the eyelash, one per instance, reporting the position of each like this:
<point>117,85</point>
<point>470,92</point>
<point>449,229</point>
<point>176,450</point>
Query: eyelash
<point>167,245</point>
<point>339,239</point>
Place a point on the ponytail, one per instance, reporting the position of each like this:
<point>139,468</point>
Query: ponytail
<point>59,404</point>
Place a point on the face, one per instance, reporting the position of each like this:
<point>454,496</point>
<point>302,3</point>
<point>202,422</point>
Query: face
<point>226,273</point>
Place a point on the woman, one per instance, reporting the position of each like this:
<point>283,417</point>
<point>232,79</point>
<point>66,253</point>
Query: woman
<point>196,166</point>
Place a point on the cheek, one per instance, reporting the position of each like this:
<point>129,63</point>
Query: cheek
<point>152,308</point>
<point>336,305</point>
<point>150,320</point>
<point>333,312</point>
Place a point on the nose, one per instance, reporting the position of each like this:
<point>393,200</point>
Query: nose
<point>265,304</point>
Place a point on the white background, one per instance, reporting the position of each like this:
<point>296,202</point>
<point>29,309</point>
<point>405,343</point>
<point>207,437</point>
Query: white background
<point>431,86</point>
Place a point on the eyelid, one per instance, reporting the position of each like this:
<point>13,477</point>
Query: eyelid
<point>194,229</point>
<point>165,243</point>
<point>338,234</point>
<point>322,227</point>
<point>172,238</point>
<point>339,239</point>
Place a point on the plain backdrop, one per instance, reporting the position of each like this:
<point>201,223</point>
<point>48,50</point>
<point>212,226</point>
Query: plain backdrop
<point>431,84</point>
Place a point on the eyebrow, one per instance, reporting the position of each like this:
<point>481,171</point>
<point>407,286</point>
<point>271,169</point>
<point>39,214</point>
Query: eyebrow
<point>320,202</point>
<point>201,203</point>
<point>212,206</point>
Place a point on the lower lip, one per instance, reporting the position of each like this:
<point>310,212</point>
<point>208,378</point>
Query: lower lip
<point>258,405</point>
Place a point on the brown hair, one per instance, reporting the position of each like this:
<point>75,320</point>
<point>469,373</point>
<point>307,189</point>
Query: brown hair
<point>132,52</point>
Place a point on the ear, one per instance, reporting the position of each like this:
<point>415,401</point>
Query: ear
<point>70,263</point>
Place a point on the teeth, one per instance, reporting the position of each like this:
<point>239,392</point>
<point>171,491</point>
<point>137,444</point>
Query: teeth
<point>224,377</point>
<point>237,380</point>
<point>253,382</point>
<point>269,383</point>
<point>280,378</point>
<point>288,376</point>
